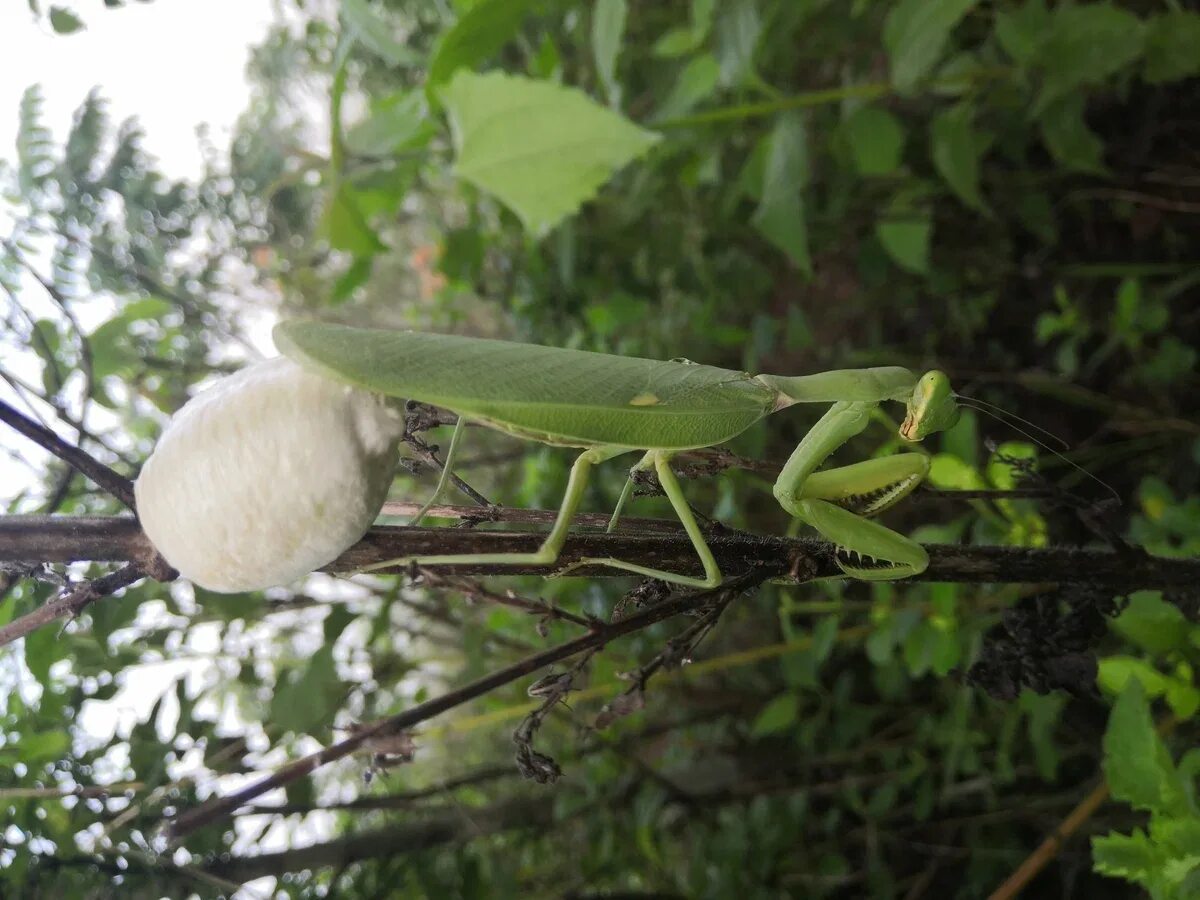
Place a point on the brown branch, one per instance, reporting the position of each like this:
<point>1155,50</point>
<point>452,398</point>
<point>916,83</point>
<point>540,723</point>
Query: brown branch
<point>113,482</point>
<point>72,603</point>
<point>221,807</point>
<point>1048,849</point>
<point>61,539</point>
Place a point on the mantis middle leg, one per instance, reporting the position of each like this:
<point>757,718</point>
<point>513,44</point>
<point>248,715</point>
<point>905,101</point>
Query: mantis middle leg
<point>661,460</point>
<point>551,547</point>
<point>836,501</point>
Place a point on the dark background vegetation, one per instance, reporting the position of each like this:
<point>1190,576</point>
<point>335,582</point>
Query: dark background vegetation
<point>1007,191</point>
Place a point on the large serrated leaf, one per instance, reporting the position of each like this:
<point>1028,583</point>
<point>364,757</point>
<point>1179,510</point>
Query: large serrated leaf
<point>541,148</point>
<point>558,396</point>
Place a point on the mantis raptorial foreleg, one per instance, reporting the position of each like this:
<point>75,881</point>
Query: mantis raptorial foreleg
<point>835,501</point>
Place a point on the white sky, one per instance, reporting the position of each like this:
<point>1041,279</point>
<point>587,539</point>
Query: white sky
<point>172,63</point>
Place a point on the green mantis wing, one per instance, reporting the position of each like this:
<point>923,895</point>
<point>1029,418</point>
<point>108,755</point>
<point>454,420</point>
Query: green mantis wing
<point>565,397</point>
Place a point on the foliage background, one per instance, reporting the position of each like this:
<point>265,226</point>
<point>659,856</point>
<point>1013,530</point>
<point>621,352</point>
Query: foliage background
<point>1008,191</point>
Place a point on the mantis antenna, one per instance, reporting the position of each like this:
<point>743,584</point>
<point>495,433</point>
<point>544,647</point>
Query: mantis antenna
<point>989,409</point>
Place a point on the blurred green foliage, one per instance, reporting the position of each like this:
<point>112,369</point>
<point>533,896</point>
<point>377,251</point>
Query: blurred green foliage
<point>1008,191</point>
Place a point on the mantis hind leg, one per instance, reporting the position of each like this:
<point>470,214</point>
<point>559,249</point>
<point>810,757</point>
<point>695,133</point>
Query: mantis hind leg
<point>548,552</point>
<point>670,484</point>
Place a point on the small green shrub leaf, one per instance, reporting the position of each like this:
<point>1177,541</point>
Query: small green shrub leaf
<point>375,32</point>
<point>608,25</point>
<point>396,122</point>
<point>482,30</point>
<point>780,214</point>
<point>957,148</point>
<point>1136,763</point>
<point>778,715</point>
<point>915,35</point>
<point>63,21</point>
<point>1068,138</point>
<point>905,236</point>
<point>1172,46</point>
<point>1085,45</point>
<point>876,140</point>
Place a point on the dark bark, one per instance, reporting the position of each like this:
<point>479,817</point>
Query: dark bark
<point>452,826</point>
<point>61,539</point>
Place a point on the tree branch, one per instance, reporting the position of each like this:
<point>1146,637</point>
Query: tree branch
<point>113,482</point>
<point>62,539</point>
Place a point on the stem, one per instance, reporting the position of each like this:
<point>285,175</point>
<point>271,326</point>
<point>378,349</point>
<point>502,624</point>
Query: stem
<point>116,484</point>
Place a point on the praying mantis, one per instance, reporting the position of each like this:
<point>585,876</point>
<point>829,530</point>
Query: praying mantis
<point>608,406</point>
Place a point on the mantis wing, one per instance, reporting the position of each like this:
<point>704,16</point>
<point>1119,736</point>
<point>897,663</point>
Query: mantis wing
<point>557,396</point>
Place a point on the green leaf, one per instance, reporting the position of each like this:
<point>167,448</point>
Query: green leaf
<point>915,34</point>
<point>778,715</point>
<point>780,214</point>
<point>1152,623</point>
<point>677,42</point>
<point>906,241</point>
<point>345,226</point>
<point>1022,30</point>
<point>736,35</point>
<point>375,32</point>
<point>1085,45</point>
<point>356,275</point>
<point>608,26</point>
<point>957,148</point>
<point>307,700</point>
<point>1068,138</point>
<point>43,649</point>
<point>63,21</point>
<point>1172,39</point>
<point>1135,761</point>
<point>483,29</point>
<point>396,122</point>
<point>1130,856</point>
<point>876,140</point>
<point>1116,671</point>
<point>541,148</point>
<point>44,745</point>
<point>694,84</point>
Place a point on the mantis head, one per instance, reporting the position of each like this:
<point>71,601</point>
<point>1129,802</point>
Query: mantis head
<point>931,407</point>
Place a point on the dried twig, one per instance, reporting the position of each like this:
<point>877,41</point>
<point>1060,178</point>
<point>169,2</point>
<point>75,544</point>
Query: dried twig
<point>116,484</point>
<point>222,807</point>
<point>546,611</point>
<point>72,603</point>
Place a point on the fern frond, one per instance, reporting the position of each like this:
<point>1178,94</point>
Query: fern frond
<point>35,158</point>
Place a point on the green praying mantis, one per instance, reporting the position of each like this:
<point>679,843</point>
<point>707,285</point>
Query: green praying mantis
<point>609,406</point>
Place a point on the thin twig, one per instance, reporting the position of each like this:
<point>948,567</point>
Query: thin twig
<point>222,807</point>
<point>520,516</point>
<point>1048,849</point>
<point>475,591</point>
<point>72,603</point>
<point>113,482</point>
